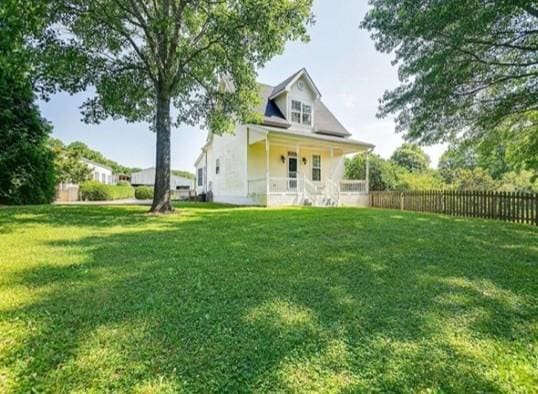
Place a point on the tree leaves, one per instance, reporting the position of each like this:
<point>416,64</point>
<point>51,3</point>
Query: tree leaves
<point>465,67</point>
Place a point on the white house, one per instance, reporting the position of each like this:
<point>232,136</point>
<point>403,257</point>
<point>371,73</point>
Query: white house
<point>99,172</point>
<point>294,156</point>
<point>147,178</point>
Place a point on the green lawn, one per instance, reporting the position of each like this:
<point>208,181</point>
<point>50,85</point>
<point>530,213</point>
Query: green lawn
<point>221,299</point>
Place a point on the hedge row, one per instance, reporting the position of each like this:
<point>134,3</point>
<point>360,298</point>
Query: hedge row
<point>144,193</point>
<point>94,191</point>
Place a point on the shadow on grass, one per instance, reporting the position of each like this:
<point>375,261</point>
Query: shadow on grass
<point>276,300</point>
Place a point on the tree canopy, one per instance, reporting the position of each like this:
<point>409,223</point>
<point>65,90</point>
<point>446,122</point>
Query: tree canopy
<point>468,69</point>
<point>26,164</point>
<point>144,59</point>
<point>27,173</point>
<point>411,157</point>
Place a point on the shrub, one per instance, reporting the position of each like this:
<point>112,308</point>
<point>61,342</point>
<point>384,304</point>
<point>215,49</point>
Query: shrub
<point>94,191</point>
<point>427,180</point>
<point>144,193</point>
<point>123,183</point>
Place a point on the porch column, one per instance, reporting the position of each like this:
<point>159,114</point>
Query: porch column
<point>367,172</point>
<point>267,174</point>
<point>298,175</point>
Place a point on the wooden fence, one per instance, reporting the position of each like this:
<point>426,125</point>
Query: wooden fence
<point>509,206</point>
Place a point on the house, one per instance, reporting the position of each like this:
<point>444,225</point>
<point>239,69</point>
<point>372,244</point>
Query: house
<point>147,178</point>
<point>293,156</point>
<point>99,172</point>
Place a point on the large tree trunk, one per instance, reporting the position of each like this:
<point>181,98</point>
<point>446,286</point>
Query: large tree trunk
<point>161,195</point>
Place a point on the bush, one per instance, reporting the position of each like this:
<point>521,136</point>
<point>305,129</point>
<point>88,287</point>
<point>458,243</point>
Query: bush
<point>123,183</point>
<point>94,191</point>
<point>427,180</point>
<point>144,193</point>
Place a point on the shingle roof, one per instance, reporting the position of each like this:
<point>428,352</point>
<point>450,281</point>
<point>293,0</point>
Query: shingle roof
<point>271,114</point>
<point>324,120</point>
<point>282,85</point>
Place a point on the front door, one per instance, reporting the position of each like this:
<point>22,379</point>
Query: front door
<point>292,172</point>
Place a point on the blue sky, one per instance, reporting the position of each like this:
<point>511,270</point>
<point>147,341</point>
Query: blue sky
<point>340,57</point>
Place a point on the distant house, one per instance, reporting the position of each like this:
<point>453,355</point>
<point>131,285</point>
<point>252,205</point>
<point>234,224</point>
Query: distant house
<point>99,172</point>
<point>147,178</point>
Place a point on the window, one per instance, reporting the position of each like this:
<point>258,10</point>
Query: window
<point>301,113</point>
<point>200,176</point>
<point>316,167</point>
<point>96,176</point>
<point>307,114</point>
<point>295,111</point>
<point>217,166</point>
<point>103,178</point>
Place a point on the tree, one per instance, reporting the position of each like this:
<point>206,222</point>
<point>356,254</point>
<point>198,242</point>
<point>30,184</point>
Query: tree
<point>382,174</point>
<point>411,157</point>
<point>455,157</point>
<point>475,179</point>
<point>69,167</point>
<point>26,164</point>
<point>518,182</point>
<point>467,68</point>
<point>143,58</point>
<point>83,151</point>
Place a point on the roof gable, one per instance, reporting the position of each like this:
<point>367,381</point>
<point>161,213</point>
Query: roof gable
<point>285,86</point>
<point>324,120</point>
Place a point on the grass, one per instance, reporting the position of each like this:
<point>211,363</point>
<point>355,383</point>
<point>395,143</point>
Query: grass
<point>222,299</point>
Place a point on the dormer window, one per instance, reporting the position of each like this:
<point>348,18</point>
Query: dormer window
<point>301,113</point>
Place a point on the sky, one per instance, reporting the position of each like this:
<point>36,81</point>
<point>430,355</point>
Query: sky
<point>340,58</point>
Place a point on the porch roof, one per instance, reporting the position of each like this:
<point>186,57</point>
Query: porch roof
<point>319,138</point>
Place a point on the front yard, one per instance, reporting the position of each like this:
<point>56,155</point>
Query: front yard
<point>222,299</point>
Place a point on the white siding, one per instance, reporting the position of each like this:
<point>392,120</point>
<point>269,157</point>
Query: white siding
<point>306,96</point>
<point>99,174</point>
<point>231,150</point>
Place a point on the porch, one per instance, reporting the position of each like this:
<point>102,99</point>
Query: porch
<point>286,169</point>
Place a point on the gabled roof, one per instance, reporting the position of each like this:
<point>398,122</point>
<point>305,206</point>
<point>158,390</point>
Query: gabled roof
<point>324,120</point>
<point>94,163</point>
<point>285,85</point>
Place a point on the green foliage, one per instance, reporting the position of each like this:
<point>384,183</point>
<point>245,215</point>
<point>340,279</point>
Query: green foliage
<point>460,156</point>
<point>411,157</point>
<point>519,182</point>
<point>26,164</point>
<point>144,193</point>
<point>82,150</point>
<point>108,299</point>
<point>510,148</point>
<point>27,173</point>
<point>94,191</point>
<point>383,174</point>
<point>67,163</point>
<point>463,65</point>
<point>475,179</point>
<point>428,180</point>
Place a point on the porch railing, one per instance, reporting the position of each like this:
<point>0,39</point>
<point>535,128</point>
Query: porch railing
<point>349,186</point>
<point>301,184</point>
<point>286,185</point>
